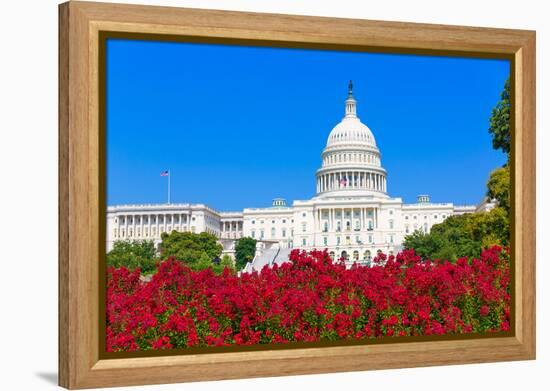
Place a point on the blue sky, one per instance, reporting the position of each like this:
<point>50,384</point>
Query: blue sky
<point>238,126</point>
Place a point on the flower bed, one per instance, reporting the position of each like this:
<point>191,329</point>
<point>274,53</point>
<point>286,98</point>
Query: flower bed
<point>308,299</point>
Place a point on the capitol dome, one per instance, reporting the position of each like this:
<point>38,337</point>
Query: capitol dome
<point>351,130</point>
<point>351,160</point>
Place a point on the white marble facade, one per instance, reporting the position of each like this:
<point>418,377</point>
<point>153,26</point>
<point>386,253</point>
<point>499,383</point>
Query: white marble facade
<point>351,215</point>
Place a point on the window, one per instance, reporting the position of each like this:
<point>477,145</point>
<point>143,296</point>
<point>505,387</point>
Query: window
<point>406,217</point>
<point>303,241</point>
<point>370,225</point>
<point>356,255</point>
<point>338,240</point>
<point>338,226</point>
<point>253,221</point>
<point>304,214</point>
<point>435,216</point>
<point>284,233</point>
<point>272,221</point>
<point>273,232</point>
<point>304,227</point>
<point>284,221</point>
<point>331,255</point>
<point>406,229</point>
<point>391,238</point>
<point>425,217</point>
<point>414,217</point>
<point>325,240</point>
<point>366,255</point>
<point>261,234</point>
<point>325,226</point>
<point>391,224</point>
<point>357,225</point>
<point>348,225</point>
<point>391,212</point>
<point>426,227</point>
<point>357,239</point>
<point>253,234</point>
<point>370,238</point>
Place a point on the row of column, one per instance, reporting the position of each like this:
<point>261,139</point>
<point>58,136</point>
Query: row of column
<point>148,225</point>
<point>231,229</point>
<point>351,180</point>
<point>332,219</point>
<point>232,226</point>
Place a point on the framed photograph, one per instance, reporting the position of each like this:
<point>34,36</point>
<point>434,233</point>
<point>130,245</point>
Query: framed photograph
<point>247,195</point>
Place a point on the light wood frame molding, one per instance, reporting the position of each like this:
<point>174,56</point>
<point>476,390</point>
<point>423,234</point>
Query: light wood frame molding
<point>80,365</point>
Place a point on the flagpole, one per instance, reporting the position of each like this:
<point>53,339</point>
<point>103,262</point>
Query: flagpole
<point>169,186</point>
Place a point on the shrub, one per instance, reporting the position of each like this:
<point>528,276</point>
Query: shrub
<point>310,298</point>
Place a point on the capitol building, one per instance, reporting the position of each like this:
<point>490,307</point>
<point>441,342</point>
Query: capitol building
<point>352,215</point>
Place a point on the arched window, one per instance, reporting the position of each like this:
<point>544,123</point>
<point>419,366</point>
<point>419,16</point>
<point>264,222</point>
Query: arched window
<point>331,255</point>
<point>367,255</point>
<point>356,255</point>
<point>344,255</point>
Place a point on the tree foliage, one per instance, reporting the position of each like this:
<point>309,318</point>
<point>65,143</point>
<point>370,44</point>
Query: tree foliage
<point>133,254</point>
<point>498,187</point>
<point>198,251</point>
<point>245,248</point>
<point>500,121</point>
<point>462,236</point>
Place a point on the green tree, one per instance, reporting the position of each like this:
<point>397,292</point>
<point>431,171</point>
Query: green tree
<point>198,251</point>
<point>449,240</point>
<point>245,248</point>
<point>498,187</point>
<point>500,121</point>
<point>133,254</point>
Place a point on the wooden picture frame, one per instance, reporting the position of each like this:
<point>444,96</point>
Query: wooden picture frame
<point>81,169</point>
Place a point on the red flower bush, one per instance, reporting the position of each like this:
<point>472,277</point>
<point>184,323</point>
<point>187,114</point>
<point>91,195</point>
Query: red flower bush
<point>308,299</point>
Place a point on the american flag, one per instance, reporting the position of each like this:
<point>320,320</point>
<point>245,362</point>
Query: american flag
<point>343,181</point>
<point>164,173</point>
